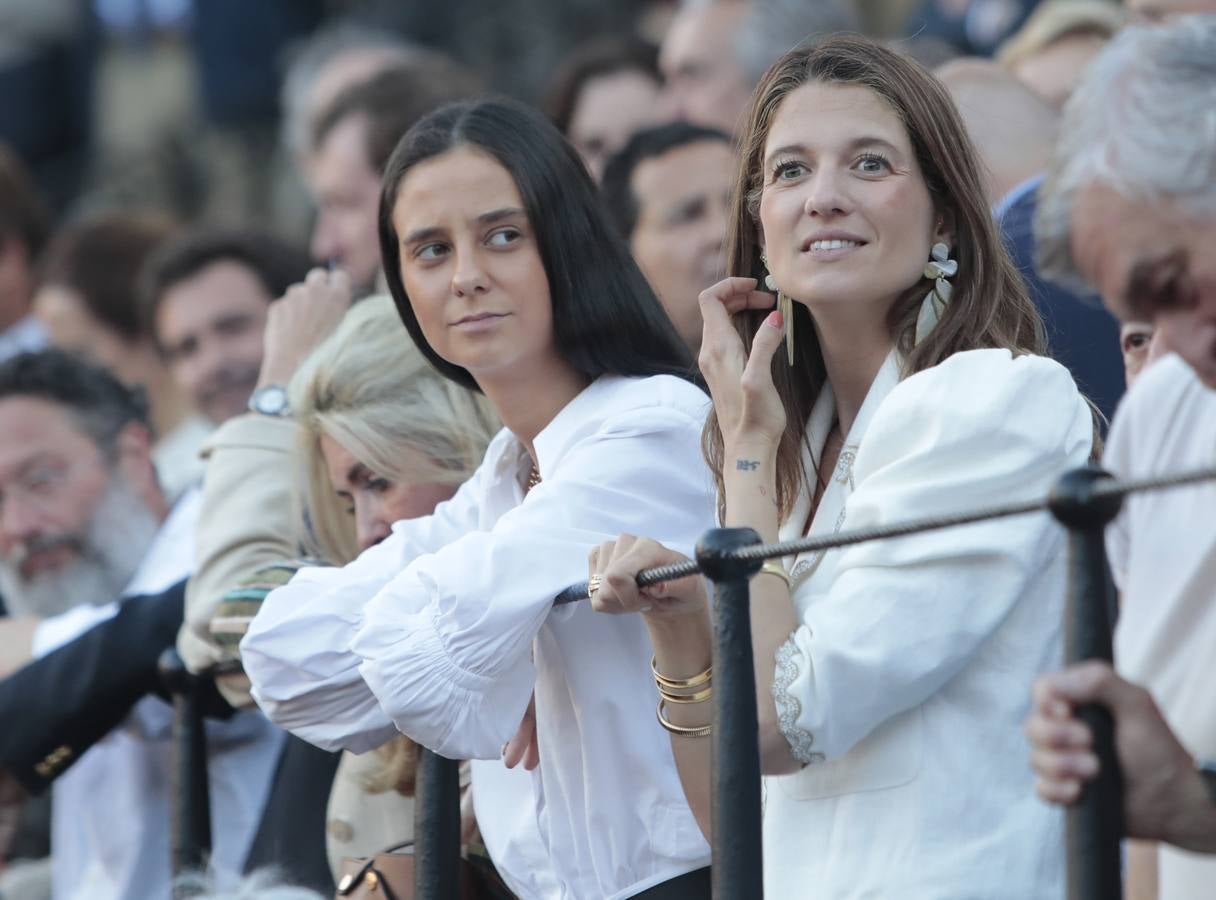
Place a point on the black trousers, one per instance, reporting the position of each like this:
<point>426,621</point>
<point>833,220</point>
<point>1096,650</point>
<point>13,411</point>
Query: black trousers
<point>291,835</point>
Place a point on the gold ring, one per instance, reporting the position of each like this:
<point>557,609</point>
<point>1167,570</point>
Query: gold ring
<point>593,584</point>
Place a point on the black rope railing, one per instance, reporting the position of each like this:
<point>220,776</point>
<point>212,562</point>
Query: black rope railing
<point>1084,501</point>
<point>1109,488</point>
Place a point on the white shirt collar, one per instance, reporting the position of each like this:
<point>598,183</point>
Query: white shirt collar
<point>823,414</point>
<point>27,334</point>
<point>170,559</point>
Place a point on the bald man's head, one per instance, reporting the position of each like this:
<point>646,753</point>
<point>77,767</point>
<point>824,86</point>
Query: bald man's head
<point>1013,129</point>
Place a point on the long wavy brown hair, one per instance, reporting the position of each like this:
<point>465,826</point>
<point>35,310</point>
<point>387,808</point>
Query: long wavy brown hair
<point>989,307</point>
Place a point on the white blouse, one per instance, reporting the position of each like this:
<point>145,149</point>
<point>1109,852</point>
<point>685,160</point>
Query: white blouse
<point>905,687</point>
<point>446,628</point>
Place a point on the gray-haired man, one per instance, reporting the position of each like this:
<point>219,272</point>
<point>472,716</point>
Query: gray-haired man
<point>1129,207</point>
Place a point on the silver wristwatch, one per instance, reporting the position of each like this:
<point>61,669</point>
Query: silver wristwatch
<point>270,401</point>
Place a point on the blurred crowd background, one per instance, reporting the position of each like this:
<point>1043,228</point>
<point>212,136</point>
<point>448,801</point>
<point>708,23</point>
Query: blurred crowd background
<point>231,113</point>
<point>130,128</point>
<point>192,107</point>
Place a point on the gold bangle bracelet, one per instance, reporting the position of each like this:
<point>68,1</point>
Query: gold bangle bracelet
<point>774,567</point>
<point>698,731</point>
<point>679,683</point>
<point>696,697</point>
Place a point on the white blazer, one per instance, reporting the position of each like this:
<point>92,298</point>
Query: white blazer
<point>905,687</point>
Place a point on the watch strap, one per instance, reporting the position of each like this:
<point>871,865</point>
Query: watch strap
<point>270,400</point>
<point>1207,771</point>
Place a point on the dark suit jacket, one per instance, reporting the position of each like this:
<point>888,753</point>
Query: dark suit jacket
<point>58,706</point>
<point>1081,333</point>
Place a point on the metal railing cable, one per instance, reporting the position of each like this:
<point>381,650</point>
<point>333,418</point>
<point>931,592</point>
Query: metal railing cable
<point>1107,488</point>
<point>1084,501</point>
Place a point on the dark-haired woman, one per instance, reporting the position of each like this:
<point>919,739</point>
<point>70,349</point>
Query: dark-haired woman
<point>509,279</point>
<point>892,676</point>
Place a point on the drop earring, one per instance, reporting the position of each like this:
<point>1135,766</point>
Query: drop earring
<point>940,268</point>
<point>786,306</point>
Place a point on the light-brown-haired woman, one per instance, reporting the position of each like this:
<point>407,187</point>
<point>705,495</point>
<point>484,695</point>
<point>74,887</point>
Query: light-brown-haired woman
<point>891,677</point>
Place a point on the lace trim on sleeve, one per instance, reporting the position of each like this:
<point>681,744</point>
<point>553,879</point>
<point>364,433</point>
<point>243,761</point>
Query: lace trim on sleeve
<point>789,708</point>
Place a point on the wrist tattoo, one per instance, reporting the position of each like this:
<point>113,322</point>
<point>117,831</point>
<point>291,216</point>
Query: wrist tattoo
<point>747,465</point>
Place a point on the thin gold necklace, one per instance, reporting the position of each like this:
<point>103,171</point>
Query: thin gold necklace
<point>533,478</point>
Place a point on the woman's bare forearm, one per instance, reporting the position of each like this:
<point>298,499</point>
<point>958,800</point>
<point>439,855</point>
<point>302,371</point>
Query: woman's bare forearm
<point>751,502</point>
<point>683,649</point>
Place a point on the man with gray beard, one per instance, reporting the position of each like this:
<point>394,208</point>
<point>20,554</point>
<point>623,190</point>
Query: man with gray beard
<point>84,524</point>
<point>79,499</point>
<point>106,553</point>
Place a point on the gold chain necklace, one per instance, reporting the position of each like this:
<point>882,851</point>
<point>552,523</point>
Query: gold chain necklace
<point>533,478</point>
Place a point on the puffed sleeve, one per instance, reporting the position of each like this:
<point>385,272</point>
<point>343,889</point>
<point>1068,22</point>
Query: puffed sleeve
<point>296,651</point>
<point>901,618</point>
<point>446,645</point>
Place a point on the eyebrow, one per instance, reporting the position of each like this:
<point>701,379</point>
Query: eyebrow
<point>42,460</point>
<point>1144,279</point>
<point>486,218</point>
<point>355,471</point>
<point>497,215</point>
<point>686,205</point>
<point>855,144</point>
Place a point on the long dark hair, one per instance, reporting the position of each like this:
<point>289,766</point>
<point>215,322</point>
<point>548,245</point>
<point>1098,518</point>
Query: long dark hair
<point>606,319</point>
<point>989,308</point>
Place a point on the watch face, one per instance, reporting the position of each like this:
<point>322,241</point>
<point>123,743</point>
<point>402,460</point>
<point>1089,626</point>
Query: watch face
<point>270,401</point>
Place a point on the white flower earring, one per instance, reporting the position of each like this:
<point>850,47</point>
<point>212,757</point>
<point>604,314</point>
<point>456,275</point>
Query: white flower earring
<point>786,306</point>
<point>940,268</point>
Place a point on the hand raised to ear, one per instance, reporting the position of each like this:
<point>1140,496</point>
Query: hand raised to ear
<point>745,399</point>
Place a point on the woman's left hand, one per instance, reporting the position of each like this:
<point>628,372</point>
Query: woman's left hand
<point>524,747</point>
<point>617,564</point>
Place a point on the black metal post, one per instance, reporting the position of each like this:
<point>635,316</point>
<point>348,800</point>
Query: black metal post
<point>1095,823</point>
<point>191,801</point>
<point>738,860</point>
<point>436,827</point>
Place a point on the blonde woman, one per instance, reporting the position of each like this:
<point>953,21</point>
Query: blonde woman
<point>379,436</point>
<point>382,437</point>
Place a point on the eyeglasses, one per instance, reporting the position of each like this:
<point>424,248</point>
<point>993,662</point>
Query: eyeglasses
<point>40,484</point>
